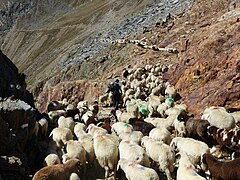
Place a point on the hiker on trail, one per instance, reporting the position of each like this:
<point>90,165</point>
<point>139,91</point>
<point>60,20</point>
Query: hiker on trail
<point>115,88</point>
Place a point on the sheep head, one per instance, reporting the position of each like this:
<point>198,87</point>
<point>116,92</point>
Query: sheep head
<point>74,165</point>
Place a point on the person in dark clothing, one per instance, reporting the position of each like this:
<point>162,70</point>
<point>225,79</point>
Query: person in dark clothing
<point>115,88</point>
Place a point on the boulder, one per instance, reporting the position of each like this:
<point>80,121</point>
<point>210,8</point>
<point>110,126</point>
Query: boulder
<point>17,120</point>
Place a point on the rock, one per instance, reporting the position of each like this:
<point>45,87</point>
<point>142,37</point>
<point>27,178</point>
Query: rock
<point>11,167</point>
<point>12,83</point>
<point>17,120</point>
<point>207,73</point>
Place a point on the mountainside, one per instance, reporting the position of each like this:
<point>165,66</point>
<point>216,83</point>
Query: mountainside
<point>54,37</point>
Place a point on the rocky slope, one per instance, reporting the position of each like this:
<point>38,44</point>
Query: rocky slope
<point>65,35</point>
<point>207,72</point>
<point>206,69</point>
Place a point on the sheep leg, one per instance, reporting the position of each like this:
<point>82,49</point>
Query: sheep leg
<point>106,172</point>
<point>115,172</point>
<point>168,174</point>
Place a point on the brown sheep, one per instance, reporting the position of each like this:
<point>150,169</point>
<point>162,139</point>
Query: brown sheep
<point>228,170</point>
<point>197,128</point>
<point>59,171</point>
<point>141,125</point>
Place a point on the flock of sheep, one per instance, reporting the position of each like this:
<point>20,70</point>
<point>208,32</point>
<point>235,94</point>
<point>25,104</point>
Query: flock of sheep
<point>141,43</point>
<point>149,137</point>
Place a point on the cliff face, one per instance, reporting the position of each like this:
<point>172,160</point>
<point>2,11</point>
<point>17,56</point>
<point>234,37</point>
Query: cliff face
<point>207,72</point>
<point>17,120</point>
<point>12,83</point>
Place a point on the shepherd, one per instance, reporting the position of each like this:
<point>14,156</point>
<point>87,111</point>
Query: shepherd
<point>115,88</point>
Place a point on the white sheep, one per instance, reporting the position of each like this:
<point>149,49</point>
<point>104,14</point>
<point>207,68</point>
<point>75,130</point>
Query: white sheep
<point>180,128</point>
<point>161,153</point>
<point>169,102</point>
<point>138,73</point>
<point>168,122</point>
<point>149,79</point>
<point>79,129</point>
<point>135,136</point>
<point>86,140</point>
<point>82,104</point>
<point>75,151</point>
<point>106,151</point>
<point>151,86</point>
<point>133,152</point>
<point>95,130</point>
<point>124,116</point>
<point>160,134</point>
<point>154,120</point>
<point>137,93</point>
<point>158,69</point>
<point>173,111</point>
<point>51,159</point>
<point>121,127</point>
<point>136,171</point>
<point>125,100</point>
<point>61,136</point>
<point>66,123</point>
<point>236,116</point>
<point>130,78</point>
<point>148,67</point>
<point>74,176</point>
<point>162,108</point>
<point>131,108</point>
<point>219,117</point>
<point>186,170</point>
<point>182,107</point>
<point>153,78</point>
<point>54,116</point>
<point>155,101</point>
<point>64,102</point>
<point>193,148</point>
<point>170,91</point>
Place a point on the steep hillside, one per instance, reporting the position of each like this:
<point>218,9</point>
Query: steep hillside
<point>207,72</point>
<point>56,37</point>
<point>206,69</point>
